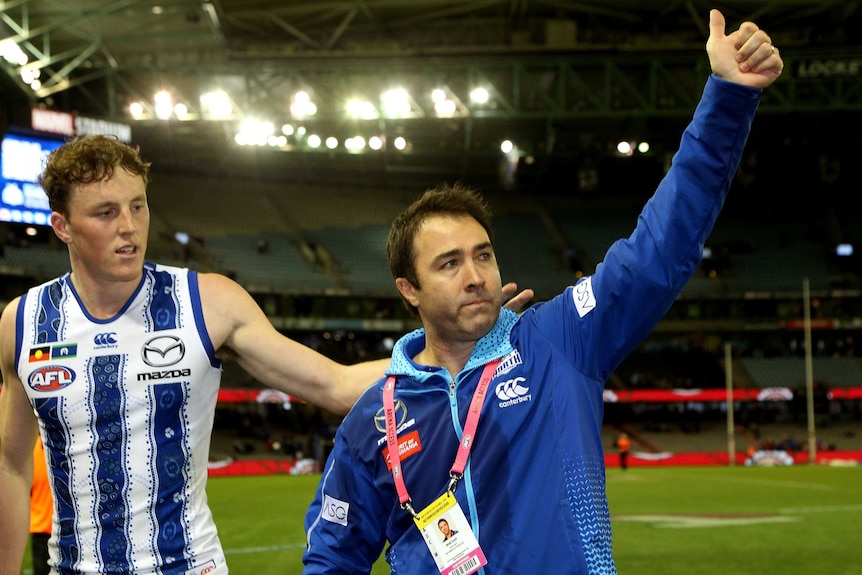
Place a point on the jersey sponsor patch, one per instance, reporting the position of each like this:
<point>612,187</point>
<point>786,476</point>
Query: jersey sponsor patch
<point>513,392</point>
<point>51,378</point>
<point>407,446</point>
<point>508,363</point>
<point>582,294</point>
<point>334,510</point>
<point>163,351</point>
<point>106,339</point>
<point>207,567</point>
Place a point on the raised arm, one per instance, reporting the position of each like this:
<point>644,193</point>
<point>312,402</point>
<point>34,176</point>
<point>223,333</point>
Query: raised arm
<point>18,431</point>
<point>641,276</point>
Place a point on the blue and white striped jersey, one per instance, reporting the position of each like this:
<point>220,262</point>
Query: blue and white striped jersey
<point>125,408</point>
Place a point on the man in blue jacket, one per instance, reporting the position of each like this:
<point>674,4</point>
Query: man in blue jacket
<point>494,419</point>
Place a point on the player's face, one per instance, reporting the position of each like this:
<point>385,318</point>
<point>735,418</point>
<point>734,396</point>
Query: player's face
<point>461,292</point>
<point>106,228</point>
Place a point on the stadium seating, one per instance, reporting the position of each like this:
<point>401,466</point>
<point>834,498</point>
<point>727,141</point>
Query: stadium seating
<point>791,371</point>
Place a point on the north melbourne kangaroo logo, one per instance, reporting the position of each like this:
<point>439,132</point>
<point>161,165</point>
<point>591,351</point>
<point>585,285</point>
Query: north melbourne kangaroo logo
<point>163,351</point>
<point>512,391</point>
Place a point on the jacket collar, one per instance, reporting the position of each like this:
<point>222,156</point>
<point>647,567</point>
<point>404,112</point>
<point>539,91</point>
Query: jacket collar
<point>494,344</point>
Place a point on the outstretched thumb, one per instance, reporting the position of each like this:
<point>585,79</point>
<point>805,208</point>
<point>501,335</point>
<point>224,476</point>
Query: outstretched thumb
<point>716,24</point>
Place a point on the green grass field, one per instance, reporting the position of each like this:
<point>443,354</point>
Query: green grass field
<point>666,521</point>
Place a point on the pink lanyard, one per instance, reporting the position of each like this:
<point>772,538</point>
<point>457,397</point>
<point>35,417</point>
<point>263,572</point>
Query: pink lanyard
<point>464,446</point>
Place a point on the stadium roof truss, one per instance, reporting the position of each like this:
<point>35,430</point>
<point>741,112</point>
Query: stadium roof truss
<point>549,65</point>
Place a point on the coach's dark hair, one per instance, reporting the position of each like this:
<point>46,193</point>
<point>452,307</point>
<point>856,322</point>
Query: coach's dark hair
<point>446,199</point>
<point>85,160</point>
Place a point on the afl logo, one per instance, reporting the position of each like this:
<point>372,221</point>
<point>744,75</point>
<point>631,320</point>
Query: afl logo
<point>51,378</point>
<point>163,351</point>
<point>400,416</point>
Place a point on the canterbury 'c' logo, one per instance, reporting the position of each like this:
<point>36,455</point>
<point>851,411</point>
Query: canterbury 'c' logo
<point>511,389</point>
<point>107,338</point>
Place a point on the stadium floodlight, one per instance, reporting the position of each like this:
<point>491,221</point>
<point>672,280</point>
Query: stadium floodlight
<point>216,104</point>
<point>395,103</point>
<point>361,109</point>
<point>302,105</point>
<point>480,95</point>
<point>164,105</point>
<point>625,148</point>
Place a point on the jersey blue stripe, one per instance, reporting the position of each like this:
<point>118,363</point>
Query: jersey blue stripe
<point>47,321</point>
<point>64,504</point>
<point>109,455</point>
<point>197,309</point>
<point>163,305</point>
<point>169,458</point>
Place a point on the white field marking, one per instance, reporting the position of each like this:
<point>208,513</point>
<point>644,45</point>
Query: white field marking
<point>693,522</point>
<point>269,549</point>
<point>768,482</point>
<point>787,515</point>
<point>822,509</point>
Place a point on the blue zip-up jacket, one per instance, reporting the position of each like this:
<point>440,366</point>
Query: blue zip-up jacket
<point>534,486</point>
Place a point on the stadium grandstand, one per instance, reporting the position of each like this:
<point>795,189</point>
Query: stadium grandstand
<point>304,227</point>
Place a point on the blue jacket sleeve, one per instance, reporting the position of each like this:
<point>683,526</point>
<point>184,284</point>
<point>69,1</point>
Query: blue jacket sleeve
<point>346,523</point>
<point>641,276</point>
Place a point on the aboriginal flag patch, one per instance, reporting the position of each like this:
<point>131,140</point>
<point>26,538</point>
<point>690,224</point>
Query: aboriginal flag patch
<point>40,353</point>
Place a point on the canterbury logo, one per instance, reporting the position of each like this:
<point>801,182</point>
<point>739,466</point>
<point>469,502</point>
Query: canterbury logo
<point>512,391</point>
<point>108,338</point>
<point>163,351</point>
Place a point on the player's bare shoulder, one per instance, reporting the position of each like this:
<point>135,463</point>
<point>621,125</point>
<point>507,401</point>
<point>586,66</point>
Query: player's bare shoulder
<point>226,306</point>
<point>7,329</point>
<point>219,295</point>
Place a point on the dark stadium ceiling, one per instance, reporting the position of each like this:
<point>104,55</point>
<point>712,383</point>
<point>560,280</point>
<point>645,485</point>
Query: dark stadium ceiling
<point>565,76</point>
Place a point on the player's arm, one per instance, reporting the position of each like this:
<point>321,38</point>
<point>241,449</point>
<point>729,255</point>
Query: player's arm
<point>237,324</point>
<point>18,431</point>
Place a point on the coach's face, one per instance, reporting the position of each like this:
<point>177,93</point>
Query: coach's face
<point>461,292</point>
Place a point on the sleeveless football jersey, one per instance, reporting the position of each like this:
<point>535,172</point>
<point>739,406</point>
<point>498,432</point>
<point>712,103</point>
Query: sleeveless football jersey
<point>126,407</point>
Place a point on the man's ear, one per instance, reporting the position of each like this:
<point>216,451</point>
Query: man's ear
<point>61,227</point>
<point>407,291</point>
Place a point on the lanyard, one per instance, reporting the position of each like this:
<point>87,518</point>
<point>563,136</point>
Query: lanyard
<point>464,445</point>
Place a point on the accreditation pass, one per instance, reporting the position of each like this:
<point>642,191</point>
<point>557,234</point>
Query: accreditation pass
<point>450,539</point>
